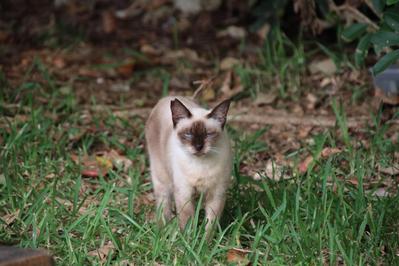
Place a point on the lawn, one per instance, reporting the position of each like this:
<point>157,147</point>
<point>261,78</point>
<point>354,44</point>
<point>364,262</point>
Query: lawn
<point>314,180</point>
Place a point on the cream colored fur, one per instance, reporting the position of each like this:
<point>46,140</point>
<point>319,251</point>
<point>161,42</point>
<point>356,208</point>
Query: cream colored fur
<point>177,173</point>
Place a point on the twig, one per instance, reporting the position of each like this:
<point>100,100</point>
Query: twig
<point>204,84</point>
<point>352,13</point>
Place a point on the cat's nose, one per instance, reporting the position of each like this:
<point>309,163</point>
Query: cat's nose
<point>198,146</point>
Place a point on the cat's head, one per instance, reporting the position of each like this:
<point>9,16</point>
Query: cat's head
<point>199,130</point>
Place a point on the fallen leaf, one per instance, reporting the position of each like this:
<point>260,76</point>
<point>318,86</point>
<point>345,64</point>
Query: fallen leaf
<point>10,218</point>
<point>144,199</point>
<point>237,255</point>
<point>390,170</point>
<point>108,21</point>
<point>327,152</point>
<point>272,171</point>
<point>233,32</point>
<point>311,101</point>
<point>104,162</point>
<point>325,66</point>
<point>177,83</point>
<point>102,252</point>
<point>170,57</point>
<point>265,98</point>
<point>381,193</point>
<point>304,131</point>
<point>304,165</point>
<point>59,62</point>
<point>354,181</point>
<point>149,50</point>
<point>188,7</point>
<point>228,63</point>
<point>226,86</point>
<point>92,167</point>
<point>126,69</point>
<point>118,160</point>
<point>89,73</point>
<point>208,94</point>
<point>263,31</point>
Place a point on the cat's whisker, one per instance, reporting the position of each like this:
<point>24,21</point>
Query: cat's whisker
<point>179,134</point>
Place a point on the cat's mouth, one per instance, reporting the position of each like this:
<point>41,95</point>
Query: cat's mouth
<point>199,153</point>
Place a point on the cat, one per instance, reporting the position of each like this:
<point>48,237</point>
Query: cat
<point>190,153</point>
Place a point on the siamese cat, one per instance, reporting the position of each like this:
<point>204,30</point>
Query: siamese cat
<point>189,153</point>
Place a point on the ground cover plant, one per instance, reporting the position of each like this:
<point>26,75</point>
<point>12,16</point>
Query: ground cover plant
<point>316,154</point>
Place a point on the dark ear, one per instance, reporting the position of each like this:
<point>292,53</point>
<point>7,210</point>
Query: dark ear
<point>179,111</point>
<point>219,113</point>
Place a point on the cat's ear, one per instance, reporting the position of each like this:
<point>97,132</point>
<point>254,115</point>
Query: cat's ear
<point>179,111</point>
<point>219,113</point>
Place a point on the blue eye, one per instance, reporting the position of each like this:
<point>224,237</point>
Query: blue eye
<point>188,135</point>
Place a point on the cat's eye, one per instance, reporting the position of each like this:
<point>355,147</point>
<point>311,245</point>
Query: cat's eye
<point>211,134</point>
<point>188,135</point>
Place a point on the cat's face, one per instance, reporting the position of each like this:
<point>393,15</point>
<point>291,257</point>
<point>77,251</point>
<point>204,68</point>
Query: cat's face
<point>199,131</point>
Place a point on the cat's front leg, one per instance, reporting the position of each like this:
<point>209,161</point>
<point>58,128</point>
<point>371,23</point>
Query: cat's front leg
<point>163,196</point>
<point>184,206</point>
<point>214,204</point>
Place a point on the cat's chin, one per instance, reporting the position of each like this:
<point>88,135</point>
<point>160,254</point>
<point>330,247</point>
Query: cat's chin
<point>199,153</point>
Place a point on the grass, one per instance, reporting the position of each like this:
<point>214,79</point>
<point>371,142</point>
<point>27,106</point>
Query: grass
<point>316,218</point>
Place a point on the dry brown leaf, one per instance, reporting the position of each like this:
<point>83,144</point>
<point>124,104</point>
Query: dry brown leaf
<point>228,63</point>
<point>89,73</point>
<point>327,152</point>
<point>233,32</point>
<point>272,171</point>
<point>354,181</point>
<point>304,165</point>
<point>59,62</point>
<point>263,31</point>
<point>265,98</point>
<point>149,50</point>
<point>304,131</point>
<point>311,101</point>
<point>10,218</point>
<point>103,251</point>
<point>108,21</point>
<point>226,86</point>
<point>170,57</point>
<point>381,192</point>
<point>118,160</point>
<point>92,167</point>
<point>208,94</point>
<point>126,69</point>
<point>391,170</point>
<point>325,66</point>
<point>237,255</point>
<point>144,199</point>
